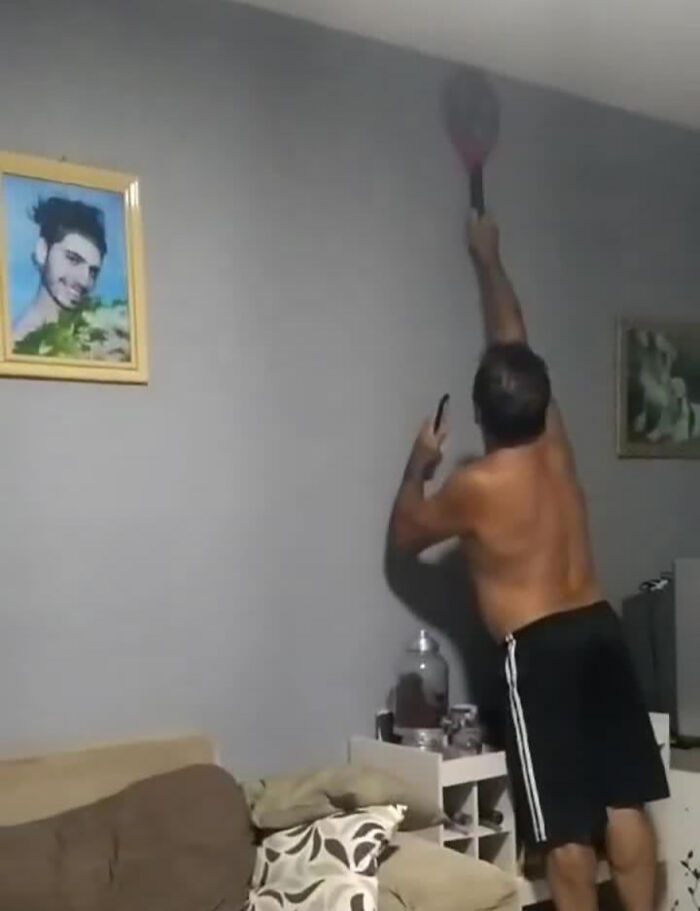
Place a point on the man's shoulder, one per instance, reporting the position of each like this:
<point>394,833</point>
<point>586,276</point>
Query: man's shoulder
<point>498,471</point>
<point>483,467</point>
<point>475,473</point>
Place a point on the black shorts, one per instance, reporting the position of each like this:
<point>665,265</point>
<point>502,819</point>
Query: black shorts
<point>578,736</point>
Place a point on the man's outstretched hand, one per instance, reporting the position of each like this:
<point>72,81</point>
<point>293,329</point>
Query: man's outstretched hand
<point>482,237</point>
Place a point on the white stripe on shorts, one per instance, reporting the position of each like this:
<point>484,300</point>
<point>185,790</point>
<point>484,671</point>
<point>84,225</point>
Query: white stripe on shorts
<point>516,708</point>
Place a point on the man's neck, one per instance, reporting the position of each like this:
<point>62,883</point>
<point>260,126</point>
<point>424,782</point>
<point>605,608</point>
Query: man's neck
<point>43,309</point>
<point>45,305</point>
<point>492,446</point>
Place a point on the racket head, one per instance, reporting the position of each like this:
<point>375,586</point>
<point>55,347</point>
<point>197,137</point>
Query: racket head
<point>472,115</point>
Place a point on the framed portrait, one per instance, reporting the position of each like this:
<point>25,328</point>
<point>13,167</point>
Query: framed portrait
<point>658,380</point>
<point>72,272</point>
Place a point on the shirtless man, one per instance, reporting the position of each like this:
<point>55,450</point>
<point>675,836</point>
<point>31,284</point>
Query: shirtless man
<point>581,751</point>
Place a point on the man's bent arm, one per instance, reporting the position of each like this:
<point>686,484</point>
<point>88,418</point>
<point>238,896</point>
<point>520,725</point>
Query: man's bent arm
<point>418,521</point>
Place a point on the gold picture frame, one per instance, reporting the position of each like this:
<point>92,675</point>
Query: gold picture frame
<point>72,274</point>
<point>658,389</point>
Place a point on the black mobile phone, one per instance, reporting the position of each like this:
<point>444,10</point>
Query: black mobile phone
<point>440,413</point>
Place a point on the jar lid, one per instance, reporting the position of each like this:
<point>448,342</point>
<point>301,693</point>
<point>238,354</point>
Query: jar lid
<point>424,643</point>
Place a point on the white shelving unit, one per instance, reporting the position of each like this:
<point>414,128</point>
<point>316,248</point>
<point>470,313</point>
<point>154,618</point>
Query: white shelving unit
<point>473,785</point>
<point>470,785</point>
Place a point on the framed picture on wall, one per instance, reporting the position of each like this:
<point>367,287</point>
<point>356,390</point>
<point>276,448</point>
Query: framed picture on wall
<point>72,272</point>
<point>658,380</point>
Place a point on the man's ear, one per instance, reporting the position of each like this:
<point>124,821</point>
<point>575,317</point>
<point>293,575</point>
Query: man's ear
<point>41,252</point>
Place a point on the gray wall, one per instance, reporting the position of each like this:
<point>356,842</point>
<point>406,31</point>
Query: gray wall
<point>206,552</point>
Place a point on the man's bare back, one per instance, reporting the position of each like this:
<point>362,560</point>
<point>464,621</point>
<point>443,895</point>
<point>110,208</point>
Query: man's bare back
<point>527,540</point>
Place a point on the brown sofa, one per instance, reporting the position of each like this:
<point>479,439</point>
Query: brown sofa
<point>181,841</point>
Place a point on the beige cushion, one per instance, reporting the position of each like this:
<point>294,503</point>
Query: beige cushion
<point>389,901</point>
<point>421,876</point>
<point>290,800</point>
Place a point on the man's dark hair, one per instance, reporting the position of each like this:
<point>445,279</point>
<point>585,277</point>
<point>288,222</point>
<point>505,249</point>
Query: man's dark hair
<point>512,393</point>
<point>58,216</point>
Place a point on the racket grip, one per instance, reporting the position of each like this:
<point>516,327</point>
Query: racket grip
<point>476,190</point>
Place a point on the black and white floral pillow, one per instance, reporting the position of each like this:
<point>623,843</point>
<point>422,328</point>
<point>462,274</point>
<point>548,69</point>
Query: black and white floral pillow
<point>327,865</point>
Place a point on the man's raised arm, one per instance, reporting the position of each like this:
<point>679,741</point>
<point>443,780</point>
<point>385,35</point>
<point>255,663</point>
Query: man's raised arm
<point>503,317</point>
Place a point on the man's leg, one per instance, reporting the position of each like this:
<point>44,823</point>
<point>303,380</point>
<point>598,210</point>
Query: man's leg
<point>571,874</point>
<point>631,850</point>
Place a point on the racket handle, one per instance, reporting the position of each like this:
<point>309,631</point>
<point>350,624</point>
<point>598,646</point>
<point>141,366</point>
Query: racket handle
<point>476,190</point>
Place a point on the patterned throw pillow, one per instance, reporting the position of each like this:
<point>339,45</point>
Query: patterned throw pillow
<point>327,865</point>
